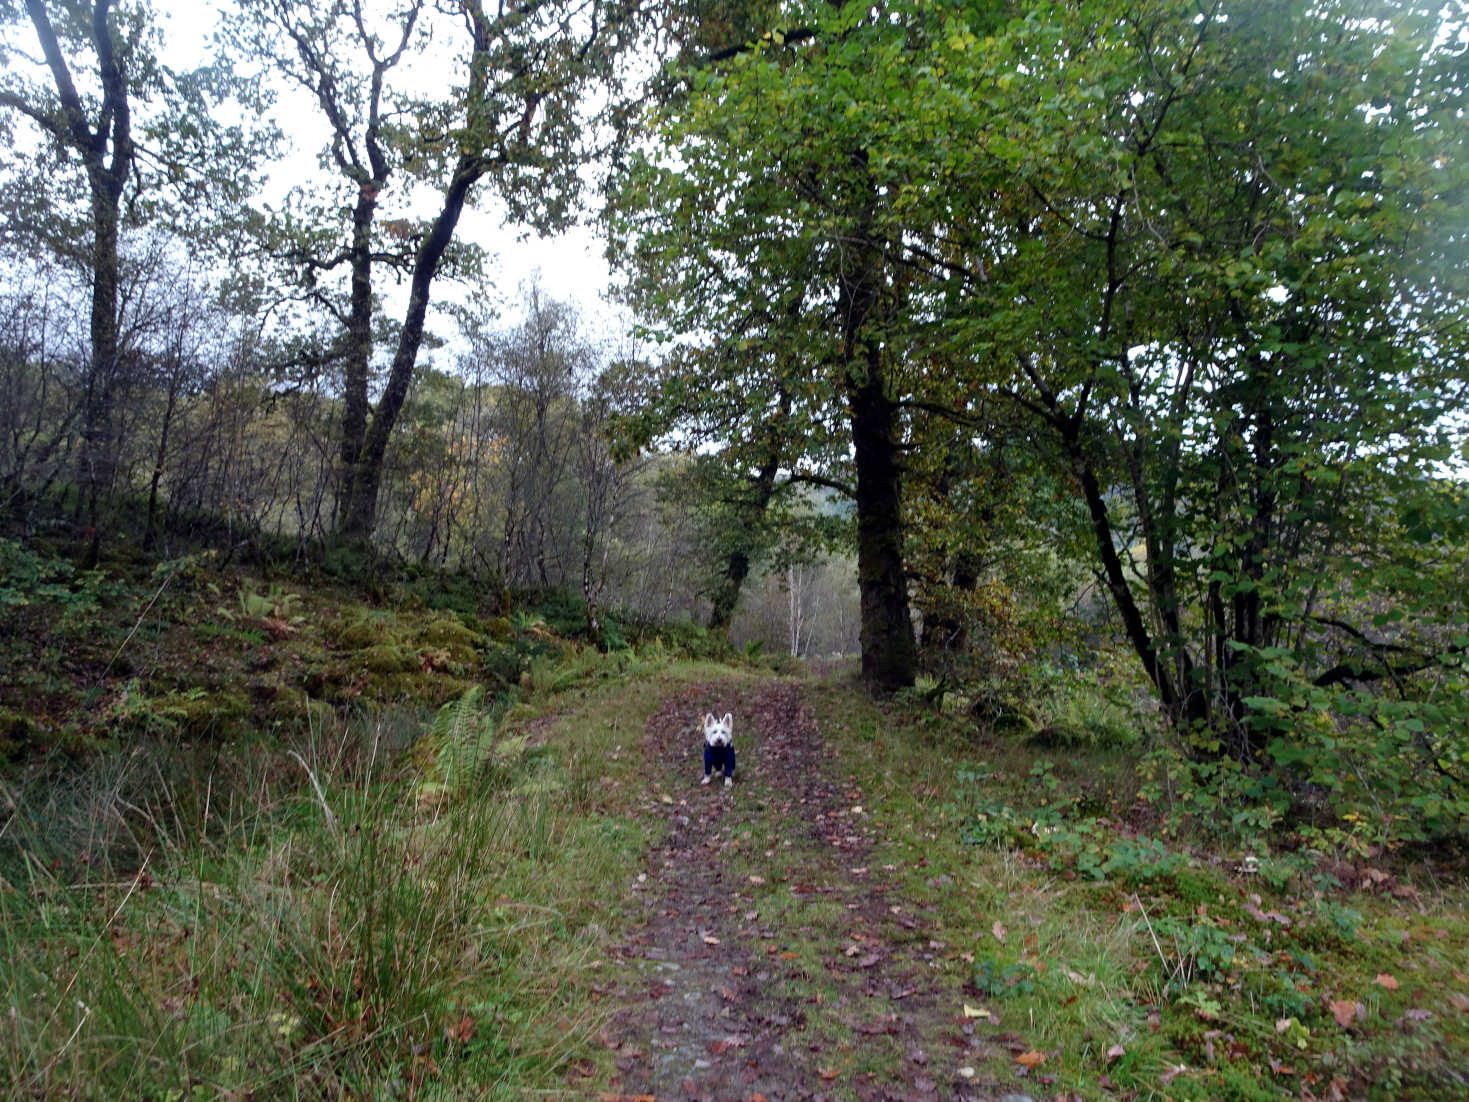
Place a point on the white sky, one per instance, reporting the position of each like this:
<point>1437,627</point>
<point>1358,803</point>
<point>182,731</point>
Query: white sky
<point>570,266</point>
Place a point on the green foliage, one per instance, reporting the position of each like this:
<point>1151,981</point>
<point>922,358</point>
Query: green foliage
<point>1194,951</point>
<point>29,577</point>
<point>277,603</point>
<point>998,979</point>
<point>1182,293</point>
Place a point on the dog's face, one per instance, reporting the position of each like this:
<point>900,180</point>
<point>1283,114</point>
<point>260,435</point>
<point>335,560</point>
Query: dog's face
<point>719,732</point>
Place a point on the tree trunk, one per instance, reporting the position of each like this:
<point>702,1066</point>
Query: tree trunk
<point>160,457</point>
<point>365,470</point>
<point>105,180</point>
<point>97,457</point>
<point>737,564</point>
<point>889,651</point>
<point>354,518</point>
<point>726,593</point>
<point>1183,702</point>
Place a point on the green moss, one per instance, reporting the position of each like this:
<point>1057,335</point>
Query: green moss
<point>17,735</point>
<point>424,687</point>
<point>1014,723</point>
<point>451,634</point>
<point>283,702</point>
<point>362,632</point>
<point>385,658</point>
<point>1195,885</point>
<point>222,711</point>
<point>498,628</point>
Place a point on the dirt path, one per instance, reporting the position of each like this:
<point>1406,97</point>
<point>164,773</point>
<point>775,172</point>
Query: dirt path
<point>774,961</point>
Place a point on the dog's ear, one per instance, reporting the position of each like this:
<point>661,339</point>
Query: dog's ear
<point>708,720</point>
<point>729,720</point>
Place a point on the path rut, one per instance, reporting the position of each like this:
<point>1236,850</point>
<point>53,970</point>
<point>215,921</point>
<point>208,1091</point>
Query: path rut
<point>720,1004</point>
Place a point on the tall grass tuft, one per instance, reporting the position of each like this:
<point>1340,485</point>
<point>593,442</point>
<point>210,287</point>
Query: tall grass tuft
<point>298,923</point>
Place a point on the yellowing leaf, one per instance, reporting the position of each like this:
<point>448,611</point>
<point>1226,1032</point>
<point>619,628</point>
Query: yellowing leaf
<point>1031,1059</point>
<point>975,1012</point>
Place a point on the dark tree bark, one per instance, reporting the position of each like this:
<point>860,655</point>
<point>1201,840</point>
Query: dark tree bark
<point>364,471</point>
<point>889,651</point>
<point>726,593</point>
<point>107,153</point>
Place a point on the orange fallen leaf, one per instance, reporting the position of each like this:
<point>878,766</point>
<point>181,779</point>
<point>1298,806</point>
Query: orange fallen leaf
<point>1386,979</point>
<point>758,1097</point>
<point>1031,1059</point>
<point>1344,1011</point>
<point>462,1030</point>
<point>1116,1052</point>
<point>827,1075</point>
<point>998,929</point>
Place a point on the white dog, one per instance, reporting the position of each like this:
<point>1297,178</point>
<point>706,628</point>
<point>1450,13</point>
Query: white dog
<point>719,750</point>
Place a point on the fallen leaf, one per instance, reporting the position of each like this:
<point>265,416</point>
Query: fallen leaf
<point>1417,1014</point>
<point>1344,1011</point>
<point>1116,1052</point>
<point>998,929</point>
<point>1031,1059</point>
<point>1172,1073</point>
<point>1386,979</point>
<point>757,880</point>
<point>710,939</point>
<point>975,1011</point>
<point>828,1076</point>
<point>1280,1069</point>
<point>1460,1002</point>
<point>462,1030</point>
<point>666,798</point>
